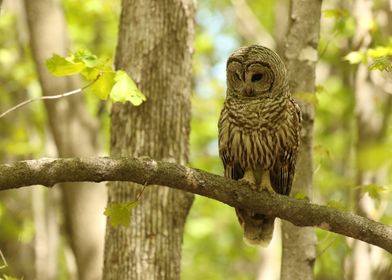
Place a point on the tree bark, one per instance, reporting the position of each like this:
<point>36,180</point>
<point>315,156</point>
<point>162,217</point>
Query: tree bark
<point>155,48</point>
<point>299,252</point>
<point>74,132</point>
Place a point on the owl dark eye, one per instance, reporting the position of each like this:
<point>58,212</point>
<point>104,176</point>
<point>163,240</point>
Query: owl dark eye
<point>257,77</point>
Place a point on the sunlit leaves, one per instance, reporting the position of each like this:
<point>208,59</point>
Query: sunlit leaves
<point>103,86</point>
<point>119,213</point>
<point>60,66</point>
<point>87,58</point>
<point>379,56</point>
<point>356,57</point>
<point>124,89</point>
<point>381,64</point>
<point>105,83</point>
<point>374,191</point>
<point>380,51</point>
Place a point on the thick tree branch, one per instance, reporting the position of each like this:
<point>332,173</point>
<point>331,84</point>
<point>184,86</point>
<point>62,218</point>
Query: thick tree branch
<point>48,172</point>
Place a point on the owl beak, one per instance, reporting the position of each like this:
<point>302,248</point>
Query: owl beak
<point>249,91</point>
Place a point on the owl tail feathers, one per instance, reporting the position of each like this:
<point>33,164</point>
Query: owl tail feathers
<point>258,228</point>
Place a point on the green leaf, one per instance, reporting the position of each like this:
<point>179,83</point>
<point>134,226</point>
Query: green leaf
<point>103,85</point>
<point>60,66</point>
<point>379,51</point>
<point>119,213</point>
<point>87,57</point>
<point>355,57</point>
<point>125,90</point>
<point>374,190</point>
<point>381,64</point>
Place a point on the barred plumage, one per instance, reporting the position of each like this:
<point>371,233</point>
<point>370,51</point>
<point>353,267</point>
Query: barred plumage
<point>259,129</point>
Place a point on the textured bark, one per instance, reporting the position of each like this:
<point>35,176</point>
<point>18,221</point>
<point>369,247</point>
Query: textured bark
<point>155,48</point>
<point>301,56</point>
<point>74,132</point>
<point>148,172</point>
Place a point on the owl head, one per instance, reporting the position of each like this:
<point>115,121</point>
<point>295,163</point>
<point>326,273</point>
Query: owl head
<point>255,72</point>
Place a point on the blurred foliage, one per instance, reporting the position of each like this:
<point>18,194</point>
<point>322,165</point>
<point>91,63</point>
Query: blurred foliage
<point>213,246</point>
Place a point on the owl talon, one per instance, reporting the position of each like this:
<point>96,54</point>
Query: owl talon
<point>251,183</point>
<point>267,188</point>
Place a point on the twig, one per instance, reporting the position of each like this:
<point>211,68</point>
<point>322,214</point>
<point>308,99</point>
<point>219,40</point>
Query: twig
<point>4,264</point>
<point>138,195</point>
<point>69,93</point>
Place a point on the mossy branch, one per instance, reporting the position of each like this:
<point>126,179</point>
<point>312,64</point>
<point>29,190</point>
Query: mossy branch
<point>146,171</point>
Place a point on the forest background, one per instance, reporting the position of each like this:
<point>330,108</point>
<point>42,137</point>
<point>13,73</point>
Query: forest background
<point>352,135</point>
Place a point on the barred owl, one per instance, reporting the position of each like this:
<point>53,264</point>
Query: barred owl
<point>259,131</point>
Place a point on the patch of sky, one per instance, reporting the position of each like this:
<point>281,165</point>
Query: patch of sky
<point>215,24</point>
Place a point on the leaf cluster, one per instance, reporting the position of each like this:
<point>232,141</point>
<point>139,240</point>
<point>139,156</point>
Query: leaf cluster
<point>106,83</point>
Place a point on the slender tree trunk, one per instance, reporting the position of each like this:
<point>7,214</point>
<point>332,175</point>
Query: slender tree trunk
<point>74,132</point>
<point>155,47</point>
<point>366,131</point>
<point>301,56</point>
<point>371,124</point>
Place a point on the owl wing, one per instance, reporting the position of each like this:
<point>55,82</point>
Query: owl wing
<point>282,174</point>
<point>233,169</point>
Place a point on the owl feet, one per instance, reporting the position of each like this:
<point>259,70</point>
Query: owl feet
<point>252,184</point>
<point>265,183</point>
<point>268,188</point>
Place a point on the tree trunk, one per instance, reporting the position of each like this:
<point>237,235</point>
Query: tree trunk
<point>367,119</point>
<point>371,124</point>
<point>301,56</point>
<point>74,132</point>
<point>155,48</point>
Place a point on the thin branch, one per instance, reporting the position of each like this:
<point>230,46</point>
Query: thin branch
<point>46,97</point>
<point>48,172</point>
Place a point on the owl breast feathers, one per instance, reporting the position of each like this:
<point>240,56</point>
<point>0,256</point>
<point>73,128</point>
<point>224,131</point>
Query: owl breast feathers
<point>259,131</point>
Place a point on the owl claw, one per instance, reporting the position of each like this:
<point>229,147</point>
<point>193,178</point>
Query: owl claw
<point>251,183</point>
<point>267,188</point>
